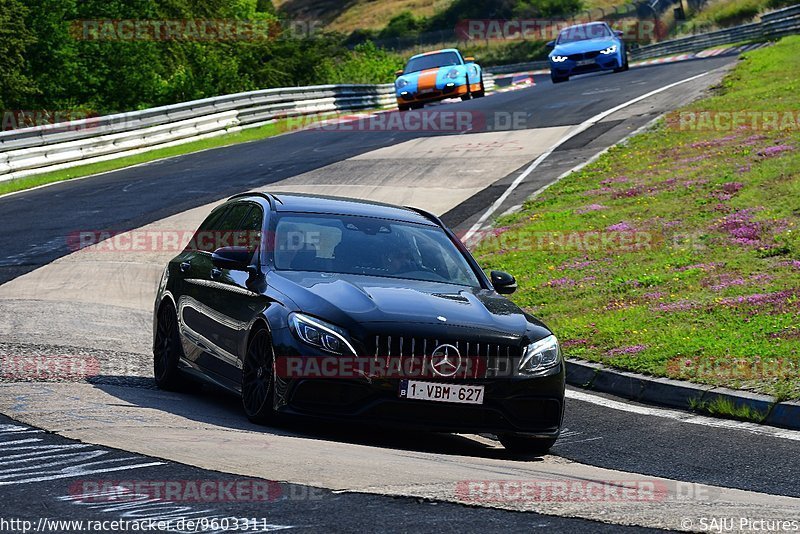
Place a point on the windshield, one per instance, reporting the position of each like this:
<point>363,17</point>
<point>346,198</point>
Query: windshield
<point>583,32</point>
<point>345,244</point>
<point>432,61</point>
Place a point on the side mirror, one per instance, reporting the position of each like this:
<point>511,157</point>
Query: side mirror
<point>469,59</point>
<point>232,258</point>
<point>398,73</point>
<point>619,33</point>
<point>503,283</point>
<point>551,44</point>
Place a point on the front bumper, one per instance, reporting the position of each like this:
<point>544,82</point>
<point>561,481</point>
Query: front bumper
<point>531,406</point>
<point>512,404</point>
<point>601,62</point>
<point>434,95</point>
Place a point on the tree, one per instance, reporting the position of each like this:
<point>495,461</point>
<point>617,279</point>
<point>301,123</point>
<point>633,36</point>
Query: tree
<point>15,38</point>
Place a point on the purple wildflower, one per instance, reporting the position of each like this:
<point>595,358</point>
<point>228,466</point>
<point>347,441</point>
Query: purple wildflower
<point>776,299</point>
<point>714,142</point>
<point>774,150</point>
<point>561,282</point>
<point>628,193</point>
<point>741,228</point>
<point>578,264</point>
<point>620,227</point>
<point>723,282</point>
<point>589,208</point>
<point>597,192</point>
<point>632,349</point>
<point>678,306</point>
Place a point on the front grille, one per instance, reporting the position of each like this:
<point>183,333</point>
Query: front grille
<point>479,360</point>
<point>587,55</point>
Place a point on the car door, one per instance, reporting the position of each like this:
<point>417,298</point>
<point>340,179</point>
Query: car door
<point>230,299</point>
<point>200,324</point>
<point>186,269</point>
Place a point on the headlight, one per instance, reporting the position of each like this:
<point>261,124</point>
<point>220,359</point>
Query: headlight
<point>401,82</point>
<point>559,59</point>
<point>610,50</point>
<point>541,355</point>
<point>320,334</point>
<point>453,74</point>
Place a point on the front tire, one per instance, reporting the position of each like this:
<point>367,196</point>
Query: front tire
<point>403,107</point>
<point>167,350</point>
<point>526,445</point>
<point>625,65</point>
<point>558,79</point>
<point>258,378</point>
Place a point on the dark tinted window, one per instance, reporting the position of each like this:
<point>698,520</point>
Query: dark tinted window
<point>198,241</point>
<point>233,225</point>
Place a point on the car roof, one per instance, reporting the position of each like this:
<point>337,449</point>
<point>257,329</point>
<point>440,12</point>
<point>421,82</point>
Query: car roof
<point>308,203</point>
<point>435,52</point>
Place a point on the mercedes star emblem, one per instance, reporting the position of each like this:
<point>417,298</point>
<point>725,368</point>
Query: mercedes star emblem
<point>445,360</point>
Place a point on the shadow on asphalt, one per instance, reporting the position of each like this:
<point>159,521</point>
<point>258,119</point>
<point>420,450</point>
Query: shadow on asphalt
<point>211,405</point>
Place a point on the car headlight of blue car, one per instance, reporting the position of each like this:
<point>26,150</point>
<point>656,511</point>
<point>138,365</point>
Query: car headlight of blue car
<point>400,83</point>
<point>610,50</point>
<point>559,59</point>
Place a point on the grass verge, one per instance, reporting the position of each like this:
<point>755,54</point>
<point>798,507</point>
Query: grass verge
<point>678,253</point>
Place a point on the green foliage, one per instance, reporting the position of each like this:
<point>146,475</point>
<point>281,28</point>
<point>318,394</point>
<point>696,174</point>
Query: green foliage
<point>15,37</point>
<point>403,25</point>
<point>732,12</point>
<point>46,61</point>
<point>507,53</point>
<point>365,64</point>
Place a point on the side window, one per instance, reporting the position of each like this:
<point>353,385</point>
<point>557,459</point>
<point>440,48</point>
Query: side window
<point>220,228</point>
<point>249,231</point>
<point>202,238</point>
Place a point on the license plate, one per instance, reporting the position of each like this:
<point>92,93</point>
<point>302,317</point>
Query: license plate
<point>583,62</point>
<point>426,91</point>
<point>432,391</point>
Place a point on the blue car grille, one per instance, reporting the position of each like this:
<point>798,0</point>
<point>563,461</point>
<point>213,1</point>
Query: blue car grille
<point>587,55</point>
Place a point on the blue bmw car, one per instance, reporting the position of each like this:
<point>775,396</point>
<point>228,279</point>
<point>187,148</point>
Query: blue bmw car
<point>587,48</point>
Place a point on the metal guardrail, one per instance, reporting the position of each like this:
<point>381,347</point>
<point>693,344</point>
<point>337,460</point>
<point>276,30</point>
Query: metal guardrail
<point>772,25</point>
<point>52,147</point>
<point>39,149</point>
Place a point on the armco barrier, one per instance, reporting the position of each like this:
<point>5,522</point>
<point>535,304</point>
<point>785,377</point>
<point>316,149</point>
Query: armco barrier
<point>772,25</point>
<point>53,147</point>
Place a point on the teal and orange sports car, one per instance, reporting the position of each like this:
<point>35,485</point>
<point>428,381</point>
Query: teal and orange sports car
<point>434,76</point>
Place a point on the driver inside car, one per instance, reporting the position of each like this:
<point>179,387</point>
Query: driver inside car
<point>400,260</point>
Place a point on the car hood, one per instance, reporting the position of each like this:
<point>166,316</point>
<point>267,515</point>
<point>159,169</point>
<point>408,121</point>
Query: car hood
<point>354,300</point>
<point>435,78</point>
<point>580,47</point>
